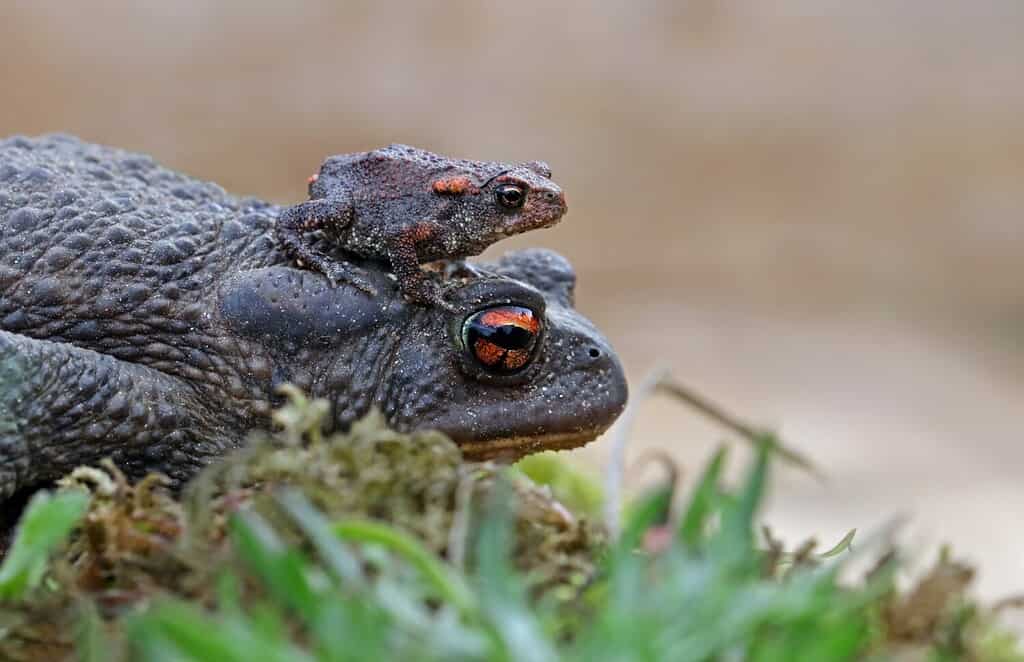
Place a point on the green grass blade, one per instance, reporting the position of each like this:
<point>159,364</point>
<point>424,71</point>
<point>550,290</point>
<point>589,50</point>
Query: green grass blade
<point>91,640</point>
<point>340,562</point>
<point>738,518</point>
<point>282,570</point>
<point>181,632</point>
<point>47,521</point>
<point>449,586</point>
<point>702,503</point>
<point>517,628</point>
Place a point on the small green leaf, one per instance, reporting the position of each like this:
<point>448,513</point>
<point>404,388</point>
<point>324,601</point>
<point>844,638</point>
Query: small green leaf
<point>47,521</point>
<point>841,546</point>
<point>572,487</point>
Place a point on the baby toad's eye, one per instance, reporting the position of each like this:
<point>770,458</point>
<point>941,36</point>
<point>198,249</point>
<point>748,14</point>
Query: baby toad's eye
<point>511,196</point>
<point>502,339</point>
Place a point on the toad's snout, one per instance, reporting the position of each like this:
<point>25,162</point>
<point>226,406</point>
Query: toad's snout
<point>583,392</point>
<point>552,203</point>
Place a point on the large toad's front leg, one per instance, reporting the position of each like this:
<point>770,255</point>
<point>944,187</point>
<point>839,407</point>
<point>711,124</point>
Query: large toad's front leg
<point>62,406</point>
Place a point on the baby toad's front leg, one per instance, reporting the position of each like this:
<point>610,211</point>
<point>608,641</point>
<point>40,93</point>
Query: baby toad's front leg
<point>333,215</point>
<point>405,263</point>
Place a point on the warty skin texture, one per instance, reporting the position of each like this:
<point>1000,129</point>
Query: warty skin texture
<point>149,317</point>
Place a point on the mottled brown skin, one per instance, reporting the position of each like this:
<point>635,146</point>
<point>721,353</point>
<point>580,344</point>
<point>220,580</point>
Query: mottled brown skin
<point>148,317</point>
<point>409,206</point>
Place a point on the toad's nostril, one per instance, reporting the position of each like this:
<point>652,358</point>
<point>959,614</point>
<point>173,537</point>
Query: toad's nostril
<point>594,353</point>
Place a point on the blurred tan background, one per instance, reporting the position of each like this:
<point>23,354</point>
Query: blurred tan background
<point>810,211</point>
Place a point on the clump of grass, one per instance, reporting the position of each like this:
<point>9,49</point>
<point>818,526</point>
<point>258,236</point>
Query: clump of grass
<point>375,545</point>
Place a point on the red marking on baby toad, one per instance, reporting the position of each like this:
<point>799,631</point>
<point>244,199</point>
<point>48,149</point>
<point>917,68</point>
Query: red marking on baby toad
<point>312,178</point>
<point>456,186</point>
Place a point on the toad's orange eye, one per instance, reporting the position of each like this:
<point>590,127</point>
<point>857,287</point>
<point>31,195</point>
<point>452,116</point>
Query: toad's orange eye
<point>502,339</point>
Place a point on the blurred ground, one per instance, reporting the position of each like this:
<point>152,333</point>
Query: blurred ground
<point>811,211</point>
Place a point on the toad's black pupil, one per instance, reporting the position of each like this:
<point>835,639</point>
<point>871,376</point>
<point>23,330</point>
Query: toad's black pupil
<point>511,196</point>
<point>506,336</point>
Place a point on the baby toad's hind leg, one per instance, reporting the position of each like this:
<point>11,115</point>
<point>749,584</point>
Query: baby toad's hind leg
<point>330,214</point>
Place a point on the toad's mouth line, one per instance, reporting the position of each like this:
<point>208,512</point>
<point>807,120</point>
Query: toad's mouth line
<point>510,449</point>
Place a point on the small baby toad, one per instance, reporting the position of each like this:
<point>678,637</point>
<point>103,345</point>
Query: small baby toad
<point>410,206</point>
